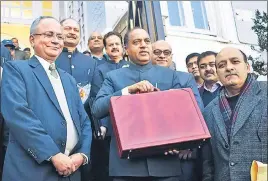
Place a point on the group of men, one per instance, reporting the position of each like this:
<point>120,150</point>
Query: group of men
<point>14,49</point>
<point>46,103</point>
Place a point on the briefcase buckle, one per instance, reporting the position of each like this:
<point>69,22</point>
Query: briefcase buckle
<point>128,156</point>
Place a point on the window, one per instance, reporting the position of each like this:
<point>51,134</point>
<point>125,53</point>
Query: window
<point>176,14</point>
<point>27,4</point>
<point>15,3</point>
<point>47,5</point>
<point>199,14</point>
<point>190,16</point>
<point>16,9</point>
<point>47,8</point>
<point>15,12</point>
<point>27,14</point>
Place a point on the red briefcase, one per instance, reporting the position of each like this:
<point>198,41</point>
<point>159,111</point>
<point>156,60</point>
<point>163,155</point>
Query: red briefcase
<point>152,123</point>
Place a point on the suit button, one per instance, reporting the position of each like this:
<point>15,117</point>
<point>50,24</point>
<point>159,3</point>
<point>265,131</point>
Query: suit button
<point>62,143</point>
<point>232,164</point>
<point>226,146</point>
<point>236,143</point>
<point>72,66</point>
<point>69,56</point>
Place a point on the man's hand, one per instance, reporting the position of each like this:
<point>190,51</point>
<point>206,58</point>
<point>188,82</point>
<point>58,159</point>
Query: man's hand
<point>142,87</point>
<point>172,152</point>
<point>185,154</point>
<point>63,164</point>
<point>77,160</point>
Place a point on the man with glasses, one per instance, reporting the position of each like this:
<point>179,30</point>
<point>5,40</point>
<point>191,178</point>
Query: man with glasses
<point>207,69</point>
<point>141,76</point>
<point>19,55</point>
<point>50,133</point>
<point>95,45</point>
<point>192,67</point>
<point>162,54</point>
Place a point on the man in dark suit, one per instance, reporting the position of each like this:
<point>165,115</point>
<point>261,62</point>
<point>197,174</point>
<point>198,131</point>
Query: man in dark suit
<point>207,68</point>
<point>113,44</point>
<point>237,119</point>
<point>50,133</point>
<point>192,67</point>
<point>141,76</point>
<point>95,45</point>
<point>80,66</point>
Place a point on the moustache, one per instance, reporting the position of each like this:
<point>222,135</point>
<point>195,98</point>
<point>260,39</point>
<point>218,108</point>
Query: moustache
<point>209,72</point>
<point>115,49</point>
<point>232,73</point>
<point>71,36</point>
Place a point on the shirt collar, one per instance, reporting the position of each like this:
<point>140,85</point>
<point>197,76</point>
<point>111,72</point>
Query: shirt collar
<point>97,58</point>
<point>44,63</point>
<point>140,68</point>
<point>214,87</point>
<point>66,50</point>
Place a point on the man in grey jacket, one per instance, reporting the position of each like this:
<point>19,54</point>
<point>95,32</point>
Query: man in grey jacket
<point>237,119</point>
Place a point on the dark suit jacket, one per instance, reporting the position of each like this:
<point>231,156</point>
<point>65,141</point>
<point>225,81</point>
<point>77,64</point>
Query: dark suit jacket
<point>159,166</point>
<point>36,123</point>
<point>248,142</point>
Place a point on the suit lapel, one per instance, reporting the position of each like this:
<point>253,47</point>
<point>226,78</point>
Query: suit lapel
<point>44,81</point>
<point>248,104</point>
<point>220,122</point>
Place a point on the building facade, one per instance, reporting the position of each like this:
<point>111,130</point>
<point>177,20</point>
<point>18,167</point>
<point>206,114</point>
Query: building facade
<point>93,16</point>
<point>17,16</point>
<point>198,26</point>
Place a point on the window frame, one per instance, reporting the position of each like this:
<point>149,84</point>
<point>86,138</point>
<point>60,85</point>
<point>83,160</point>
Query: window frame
<point>189,26</point>
<point>21,8</point>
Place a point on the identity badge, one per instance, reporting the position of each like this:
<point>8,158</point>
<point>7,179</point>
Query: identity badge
<point>84,91</point>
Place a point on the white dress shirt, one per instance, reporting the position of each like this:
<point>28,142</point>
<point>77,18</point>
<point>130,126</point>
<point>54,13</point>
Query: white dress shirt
<point>214,87</point>
<point>72,136</point>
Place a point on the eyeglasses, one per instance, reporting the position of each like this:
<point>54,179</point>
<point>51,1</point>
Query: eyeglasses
<point>96,37</point>
<point>50,35</point>
<point>159,52</point>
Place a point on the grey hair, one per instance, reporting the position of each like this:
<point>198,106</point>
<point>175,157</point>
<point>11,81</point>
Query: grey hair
<point>37,21</point>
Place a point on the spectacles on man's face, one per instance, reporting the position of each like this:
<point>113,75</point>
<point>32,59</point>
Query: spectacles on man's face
<point>96,37</point>
<point>158,52</point>
<point>50,35</point>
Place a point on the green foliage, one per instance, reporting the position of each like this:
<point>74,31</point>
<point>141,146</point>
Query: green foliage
<point>260,28</point>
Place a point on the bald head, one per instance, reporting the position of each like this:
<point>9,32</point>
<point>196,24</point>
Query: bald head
<point>161,43</point>
<point>95,43</point>
<point>232,67</point>
<point>162,53</point>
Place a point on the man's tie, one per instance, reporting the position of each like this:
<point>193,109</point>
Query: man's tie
<point>53,71</point>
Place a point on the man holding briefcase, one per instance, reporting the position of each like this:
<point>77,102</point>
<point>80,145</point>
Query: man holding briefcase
<point>141,76</point>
